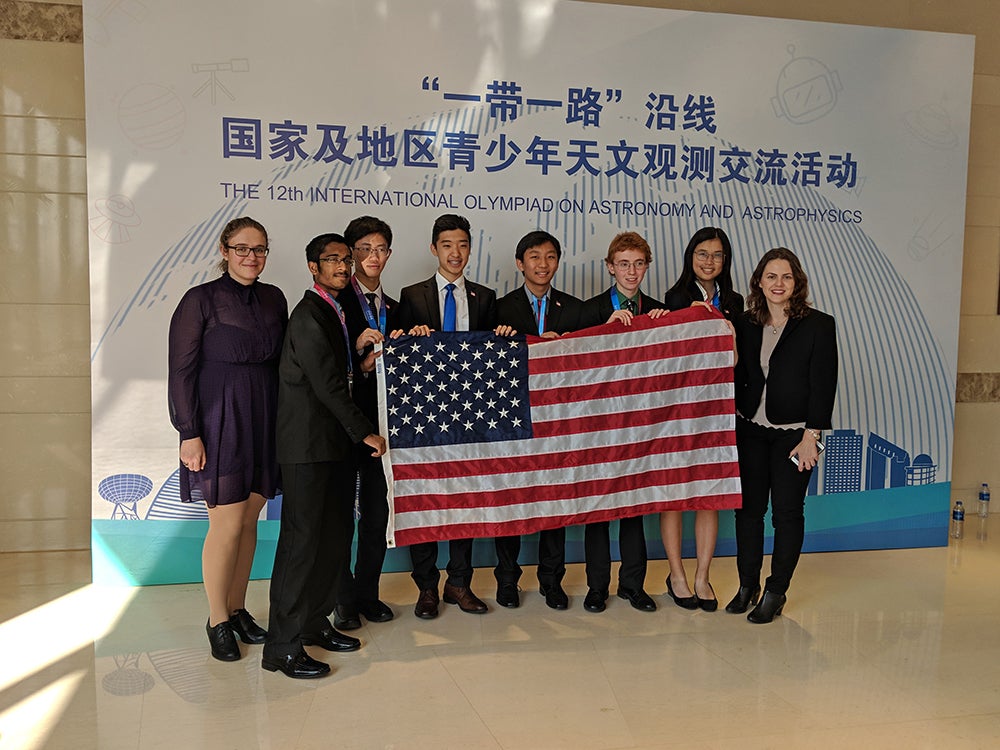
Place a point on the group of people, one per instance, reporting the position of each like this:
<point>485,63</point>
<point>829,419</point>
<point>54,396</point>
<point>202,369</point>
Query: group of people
<point>264,400</point>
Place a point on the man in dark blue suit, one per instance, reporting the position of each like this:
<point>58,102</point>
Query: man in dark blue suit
<point>447,302</point>
<point>537,308</point>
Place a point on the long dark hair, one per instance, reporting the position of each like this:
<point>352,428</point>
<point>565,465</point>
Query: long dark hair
<point>798,303</point>
<point>688,282</point>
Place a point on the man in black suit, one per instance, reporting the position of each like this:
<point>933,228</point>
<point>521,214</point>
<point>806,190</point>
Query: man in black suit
<point>628,258</point>
<point>370,313</point>
<point>447,302</point>
<point>318,430</point>
<point>537,309</point>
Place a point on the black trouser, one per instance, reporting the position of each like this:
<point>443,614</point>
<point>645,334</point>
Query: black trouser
<point>313,544</point>
<point>767,472</point>
<point>551,557</point>
<point>425,571</point>
<point>631,544</point>
<point>362,585</point>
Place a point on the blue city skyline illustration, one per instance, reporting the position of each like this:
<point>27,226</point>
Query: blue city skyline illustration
<point>849,465</point>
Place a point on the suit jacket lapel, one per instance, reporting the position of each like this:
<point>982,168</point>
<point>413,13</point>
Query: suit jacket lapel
<point>473,299</point>
<point>755,335</point>
<point>432,303</point>
<point>790,326</point>
<point>555,311</point>
<point>340,347</point>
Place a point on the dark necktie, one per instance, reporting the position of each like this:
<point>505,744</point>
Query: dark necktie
<point>629,304</point>
<point>371,305</point>
<point>450,312</point>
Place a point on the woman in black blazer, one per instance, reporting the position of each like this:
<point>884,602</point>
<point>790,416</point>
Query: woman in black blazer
<point>706,277</point>
<point>786,380</point>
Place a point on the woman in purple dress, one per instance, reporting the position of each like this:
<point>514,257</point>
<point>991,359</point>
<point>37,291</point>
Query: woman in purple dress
<point>225,339</point>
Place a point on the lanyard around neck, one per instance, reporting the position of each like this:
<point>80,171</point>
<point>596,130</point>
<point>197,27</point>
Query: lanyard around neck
<point>366,309</point>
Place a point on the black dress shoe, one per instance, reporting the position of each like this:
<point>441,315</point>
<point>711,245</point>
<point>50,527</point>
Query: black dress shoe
<point>770,606</point>
<point>298,666</point>
<point>555,597</point>
<point>223,641</point>
<point>687,602</point>
<point>638,598</point>
<point>245,628</point>
<point>743,599</point>
<point>507,595</point>
<point>346,618</point>
<point>331,640</point>
<point>375,611</point>
<point>709,605</point>
<point>465,599</point>
<point>427,605</point>
<point>595,601</point>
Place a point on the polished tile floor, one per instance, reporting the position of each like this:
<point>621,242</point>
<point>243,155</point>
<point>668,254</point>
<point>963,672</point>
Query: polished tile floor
<point>876,649</point>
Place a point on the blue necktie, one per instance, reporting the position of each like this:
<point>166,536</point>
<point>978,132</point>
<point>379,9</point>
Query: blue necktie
<point>450,313</point>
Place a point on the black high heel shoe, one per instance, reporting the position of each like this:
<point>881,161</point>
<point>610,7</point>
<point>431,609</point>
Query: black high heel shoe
<point>743,599</point>
<point>709,605</point>
<point>770,607</point>
<point>687,602</point>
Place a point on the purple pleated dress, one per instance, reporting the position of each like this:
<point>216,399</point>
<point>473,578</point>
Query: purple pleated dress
<point>224,344</point>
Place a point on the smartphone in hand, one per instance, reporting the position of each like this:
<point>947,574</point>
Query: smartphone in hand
<point>819,449</point>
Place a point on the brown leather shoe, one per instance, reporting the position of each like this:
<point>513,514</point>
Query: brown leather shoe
<point>465,599</point>
<point>427,605</point>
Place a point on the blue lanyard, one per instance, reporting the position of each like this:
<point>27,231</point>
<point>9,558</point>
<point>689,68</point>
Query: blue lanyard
<point>617,305</point>
<point>343,325</point>
<point>716,298</point>
<point>380,326</point>
<point>540,303</point>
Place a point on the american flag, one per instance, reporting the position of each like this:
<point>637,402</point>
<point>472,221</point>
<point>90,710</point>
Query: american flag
<point>493,436</point>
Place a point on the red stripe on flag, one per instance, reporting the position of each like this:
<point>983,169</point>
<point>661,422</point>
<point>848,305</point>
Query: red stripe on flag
<point>570,491</point>
<point>630,387</point>
<point>621,420</point>
<point>545,461</point>
<point>617,357</point>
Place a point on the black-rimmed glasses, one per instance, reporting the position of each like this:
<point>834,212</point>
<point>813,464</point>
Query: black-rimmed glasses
<point>242,251</point>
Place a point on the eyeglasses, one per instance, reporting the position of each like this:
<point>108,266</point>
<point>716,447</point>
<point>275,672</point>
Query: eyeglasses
<point>703,256</point>
<point>334,260</point>
<point>260,251</point>
<point>624,265</point>
<point>382,251</point>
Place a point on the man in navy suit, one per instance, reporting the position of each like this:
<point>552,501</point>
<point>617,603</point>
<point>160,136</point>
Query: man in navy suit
<point>447,302</point>
<point>370,313</point>
<point>537,308</point>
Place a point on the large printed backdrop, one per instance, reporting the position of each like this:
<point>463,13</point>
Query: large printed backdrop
<point>846,144</point>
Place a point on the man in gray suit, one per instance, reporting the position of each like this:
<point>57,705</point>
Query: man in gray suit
<point>318,427</point>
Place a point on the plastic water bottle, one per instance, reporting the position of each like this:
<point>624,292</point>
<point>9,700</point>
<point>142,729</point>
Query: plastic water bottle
<point>957,520</point>
<point>984,501</point>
